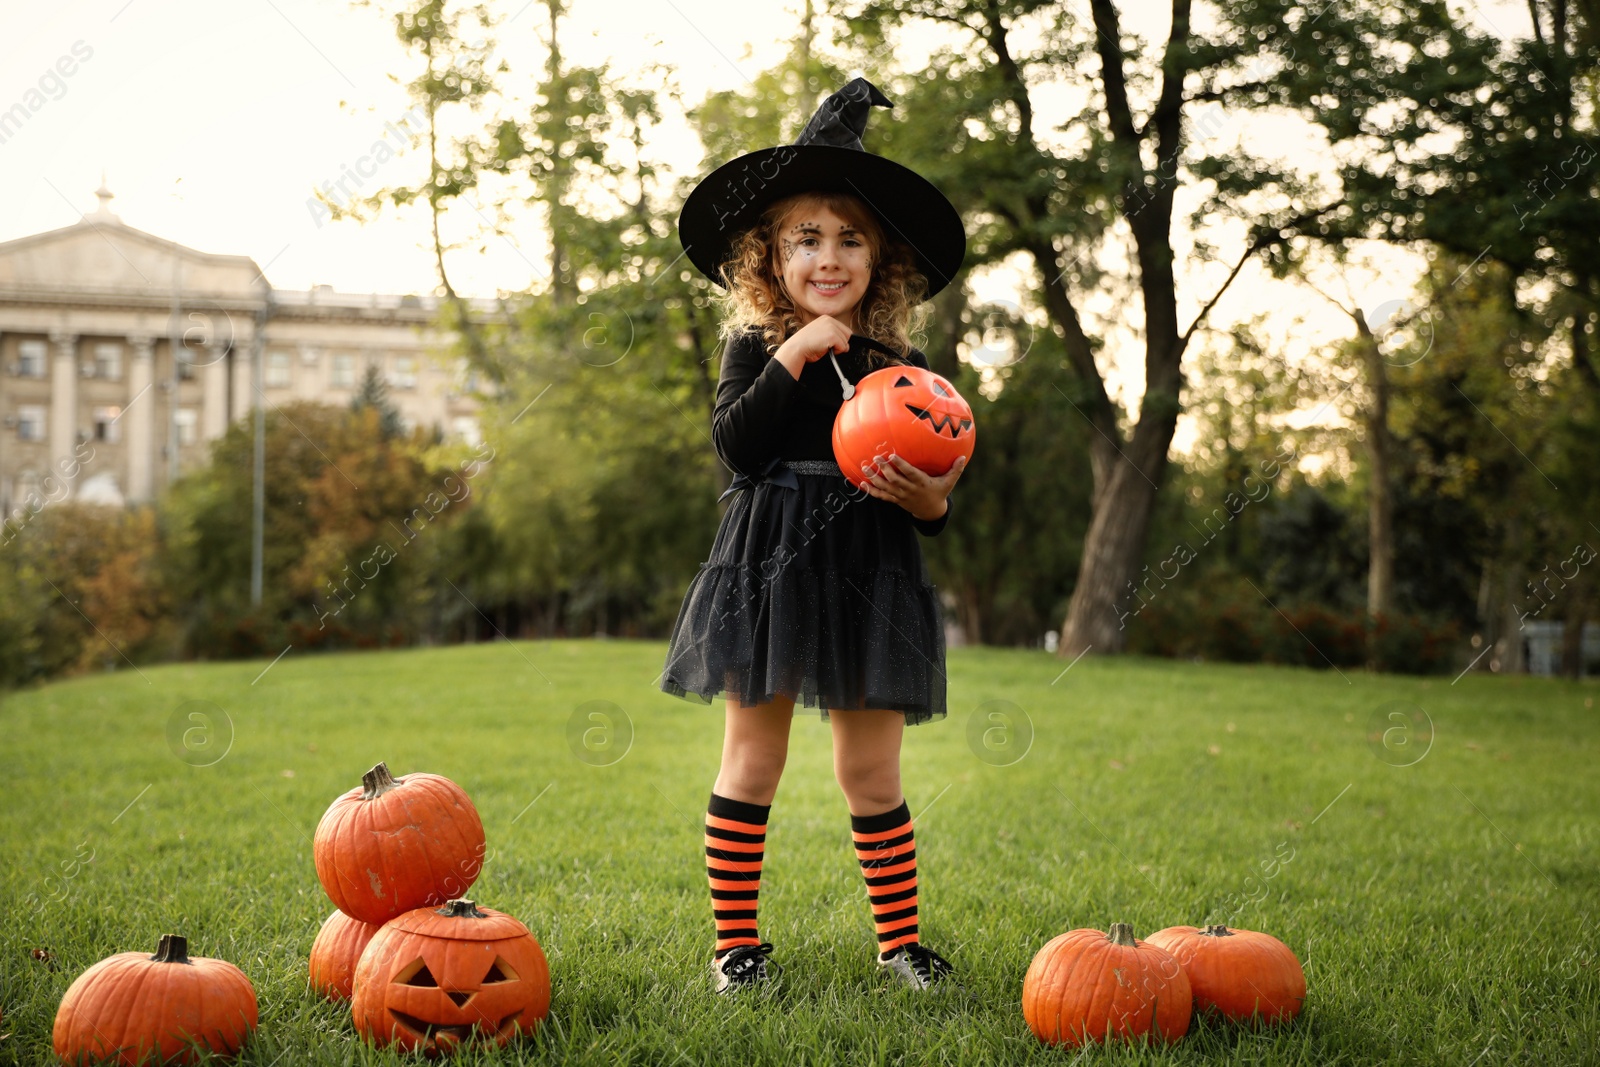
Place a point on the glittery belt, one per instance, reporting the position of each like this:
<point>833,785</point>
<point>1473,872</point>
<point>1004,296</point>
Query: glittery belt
<point>782,472</point>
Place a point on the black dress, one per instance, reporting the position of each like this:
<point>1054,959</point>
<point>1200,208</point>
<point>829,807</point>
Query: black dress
<point>814,589</point>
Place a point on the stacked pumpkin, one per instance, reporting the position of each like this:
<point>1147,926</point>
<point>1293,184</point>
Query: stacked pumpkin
<point>1087,985</point>
<point>423,967</point>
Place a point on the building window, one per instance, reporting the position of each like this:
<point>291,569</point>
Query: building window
<point>405,373</point>
<point>344,371</point>
<point>31,363</point>
<point>458,376</point>
<point>277,369</point>
<point>30,422</point>
<point>105,424</point>
<point>188,420</point>
<point>27,489</point>
<point>466,428</point>
<point>108,361</point>
<point>187,358</point>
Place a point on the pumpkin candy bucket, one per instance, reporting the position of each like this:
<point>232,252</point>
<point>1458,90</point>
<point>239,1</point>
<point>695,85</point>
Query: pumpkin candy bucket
<point>908,411</point>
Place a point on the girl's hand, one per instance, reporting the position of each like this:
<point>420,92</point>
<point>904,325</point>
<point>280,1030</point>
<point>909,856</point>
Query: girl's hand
<point>920,493</point>
<point>812,342</point>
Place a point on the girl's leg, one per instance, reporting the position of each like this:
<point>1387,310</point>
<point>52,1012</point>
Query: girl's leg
<point>866,758</point>
<point>866,761</point>
<point>754,749</point>
<point>755,746</point>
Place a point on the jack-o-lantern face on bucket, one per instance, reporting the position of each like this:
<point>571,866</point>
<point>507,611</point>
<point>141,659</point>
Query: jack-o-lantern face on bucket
<point>910,412</point>
<point>432,979</point>
<point>946,414</point>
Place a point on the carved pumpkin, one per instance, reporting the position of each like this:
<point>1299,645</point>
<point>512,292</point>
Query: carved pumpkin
<point>1086,985</point>
<point>1240,974</point>
<point>435,978</point>
<point>396,844</point>
<point>130,1007</point>
<point>335,953</point>
<point>910,412</point>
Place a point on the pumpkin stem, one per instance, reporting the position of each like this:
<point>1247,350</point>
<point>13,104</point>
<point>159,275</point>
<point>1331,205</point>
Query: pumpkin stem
<point>1217,930</point>
<point>377,782</point>
<point>1122,934</point>
<point>461,908</point>
<point>172,948</point>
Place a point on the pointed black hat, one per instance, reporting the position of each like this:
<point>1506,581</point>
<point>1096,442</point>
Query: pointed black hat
<point>827,157</point>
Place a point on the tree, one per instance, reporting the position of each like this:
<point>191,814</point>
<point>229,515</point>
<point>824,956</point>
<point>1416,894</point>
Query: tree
<point>1058,195</point>
<point>455,46</point>
<point>1481,147</point>
<point>351,517</point>
<point>1470,419</point>
<point>374,393</point>
<point>80,589</point>
<point>1018,518</point>
<point>1372,371</point>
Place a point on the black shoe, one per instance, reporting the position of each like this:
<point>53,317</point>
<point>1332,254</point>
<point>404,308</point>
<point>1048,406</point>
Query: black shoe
<point>744,966</point>
<point>919,967</point>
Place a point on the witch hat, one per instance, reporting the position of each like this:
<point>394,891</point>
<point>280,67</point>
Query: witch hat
<point>827,157</point>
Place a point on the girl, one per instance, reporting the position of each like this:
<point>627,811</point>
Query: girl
<point>815,591</point>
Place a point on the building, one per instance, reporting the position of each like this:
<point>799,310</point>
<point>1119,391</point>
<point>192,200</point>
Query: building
<point>123,355</point>
<point>1542,642</point>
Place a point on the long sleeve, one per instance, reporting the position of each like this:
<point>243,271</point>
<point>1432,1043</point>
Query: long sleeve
<point>930,527</point>
<point>753,391</point>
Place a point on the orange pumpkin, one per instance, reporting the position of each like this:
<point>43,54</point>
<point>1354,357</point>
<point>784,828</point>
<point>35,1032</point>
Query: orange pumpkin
<point>436,978</point>
<point>910,412</point>
<point>335,953</point>
<point>1241,974</point>
<point>396,844</point>
<point>130,1007</point>
<point>1087,985</point>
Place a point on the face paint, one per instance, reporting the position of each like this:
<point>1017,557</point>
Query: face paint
<point>826,267</point>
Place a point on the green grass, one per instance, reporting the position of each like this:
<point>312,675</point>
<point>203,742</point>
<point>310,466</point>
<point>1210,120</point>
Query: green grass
<point>1445,912</point>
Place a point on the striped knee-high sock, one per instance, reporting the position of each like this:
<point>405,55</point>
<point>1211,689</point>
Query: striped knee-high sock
<point>736,836</point>
<point>888,856</point>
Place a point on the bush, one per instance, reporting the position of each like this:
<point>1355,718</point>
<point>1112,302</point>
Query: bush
<point>79,591</point>
<point>1320,637</point>
<point>1219,616</point>
<point>1407,644</point>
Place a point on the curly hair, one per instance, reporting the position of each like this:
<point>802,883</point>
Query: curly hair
<point>890,312</point>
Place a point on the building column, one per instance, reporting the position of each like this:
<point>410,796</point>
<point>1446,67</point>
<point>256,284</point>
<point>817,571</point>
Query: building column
<point>213,395</point>
<point>244,398</point>
<point>140,412</point>
<point>63,400</point>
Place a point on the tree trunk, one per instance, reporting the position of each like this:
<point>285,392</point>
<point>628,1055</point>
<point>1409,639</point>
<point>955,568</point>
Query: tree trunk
<point>1380,503</point>
<point>1580,349</point>
<point>1508,656</point>
<point>1115,542</point>
<point>971,614</point>
<point>563,288</point>
<point>1573,620</point>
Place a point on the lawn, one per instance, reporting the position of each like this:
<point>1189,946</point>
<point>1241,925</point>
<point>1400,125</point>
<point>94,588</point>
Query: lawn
<point>1440,884</point>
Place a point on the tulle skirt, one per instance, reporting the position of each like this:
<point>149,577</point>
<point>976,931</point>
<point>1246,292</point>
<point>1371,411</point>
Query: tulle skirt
<point>818,593</point>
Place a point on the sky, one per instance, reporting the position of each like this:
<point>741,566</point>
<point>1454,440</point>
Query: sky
<point>215,122</point>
